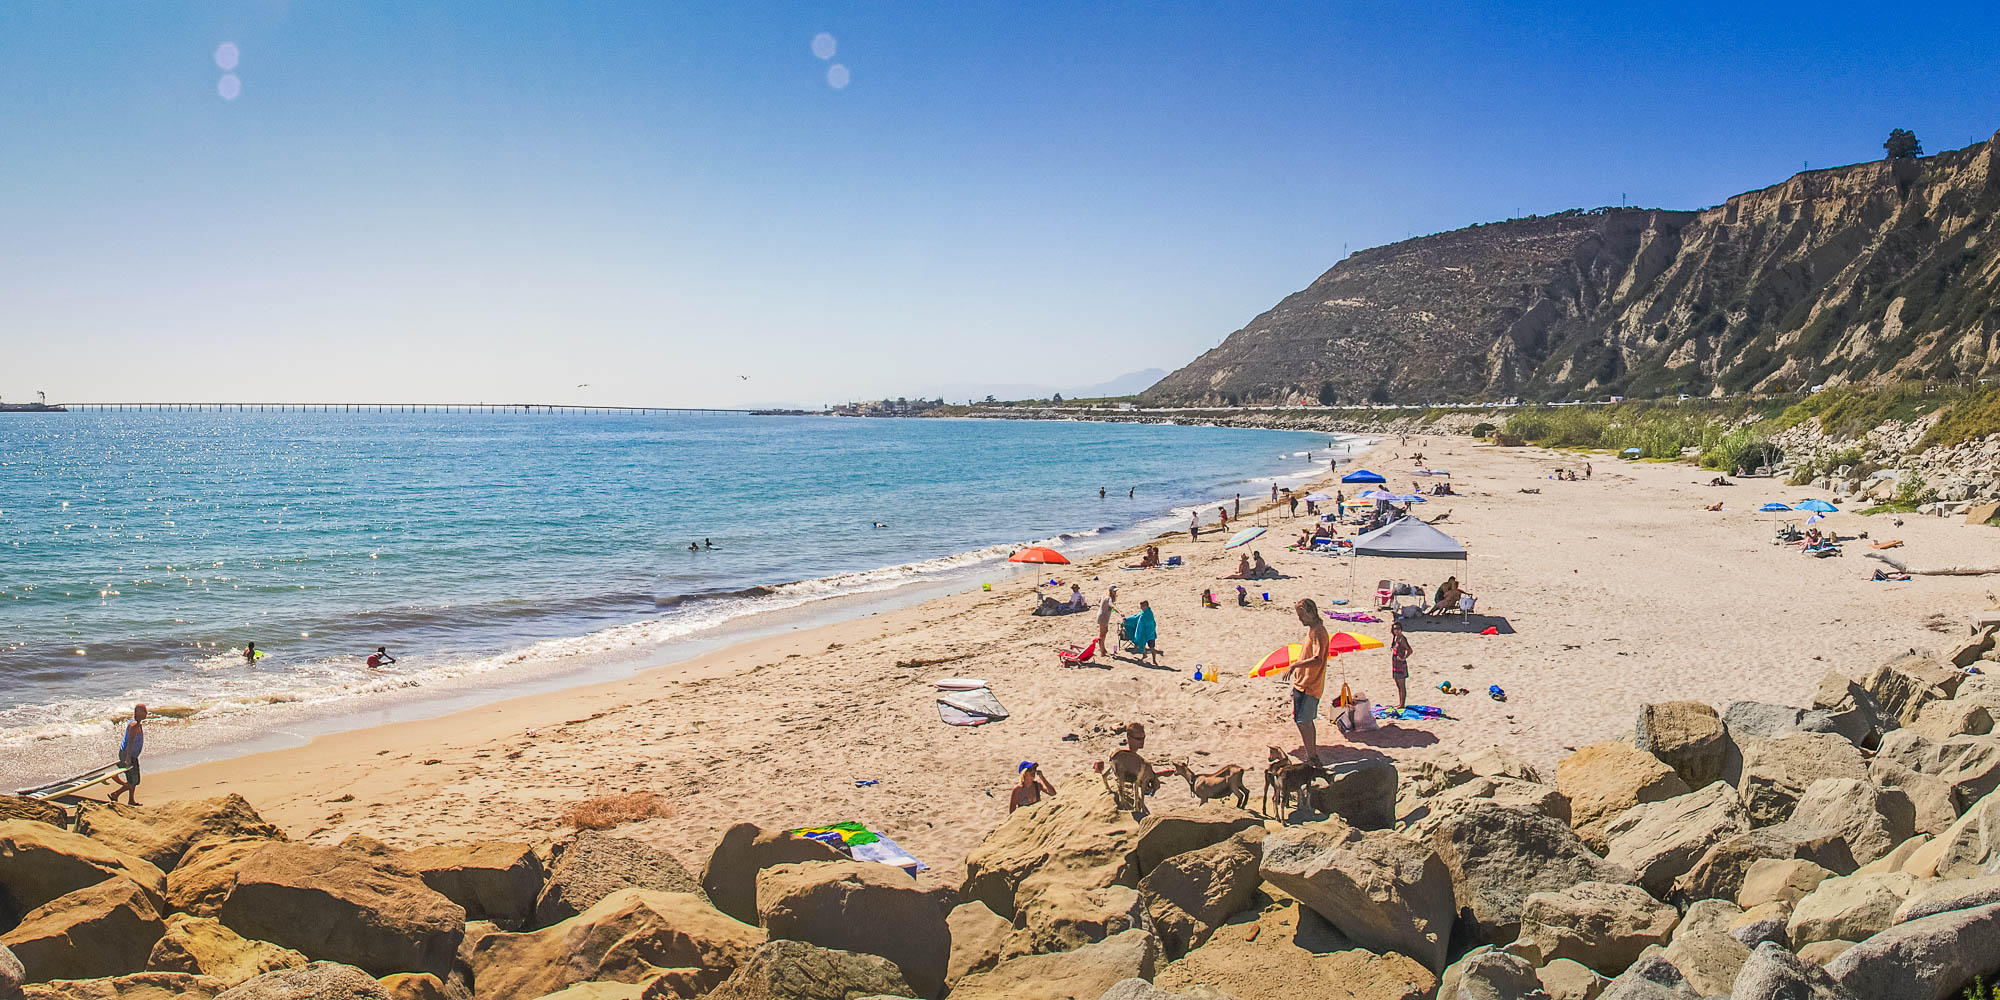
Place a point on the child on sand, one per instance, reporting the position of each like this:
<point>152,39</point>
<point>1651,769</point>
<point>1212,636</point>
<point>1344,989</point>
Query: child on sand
<point>1399,663</point>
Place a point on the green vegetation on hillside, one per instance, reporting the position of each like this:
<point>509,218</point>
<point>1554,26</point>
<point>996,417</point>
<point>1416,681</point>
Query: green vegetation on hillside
<point>1719,435</point>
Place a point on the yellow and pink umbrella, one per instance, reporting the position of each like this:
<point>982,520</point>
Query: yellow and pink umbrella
<point>1283,657</point>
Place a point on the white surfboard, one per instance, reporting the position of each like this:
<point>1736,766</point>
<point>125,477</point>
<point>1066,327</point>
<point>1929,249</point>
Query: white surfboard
<point>960,684</point>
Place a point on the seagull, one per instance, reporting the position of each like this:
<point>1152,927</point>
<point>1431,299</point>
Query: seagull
<point>585,385</point>
<point>745,378</point>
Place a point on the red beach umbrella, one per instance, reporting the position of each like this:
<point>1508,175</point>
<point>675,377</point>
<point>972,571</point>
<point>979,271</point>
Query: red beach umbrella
<point>1037,554</point>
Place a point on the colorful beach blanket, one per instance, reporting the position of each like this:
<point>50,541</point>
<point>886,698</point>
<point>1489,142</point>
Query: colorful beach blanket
<point>863,844</point>
<point>1410,713</point>
<point>1352,616</point>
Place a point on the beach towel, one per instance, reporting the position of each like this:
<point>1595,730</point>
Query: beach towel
<point>1410,713</point>
<point>969,708</point>
<point>1140,630</point>
<point>1352,616</point>
<point>862,844</point>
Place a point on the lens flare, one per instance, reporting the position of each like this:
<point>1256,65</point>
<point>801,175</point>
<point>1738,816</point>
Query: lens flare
<point>229,86</point>
<point>226,56</point>
<point>823,45</point>
<point>836,76</point>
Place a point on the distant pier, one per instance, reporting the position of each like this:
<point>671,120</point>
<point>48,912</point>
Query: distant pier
<point>536,408</point>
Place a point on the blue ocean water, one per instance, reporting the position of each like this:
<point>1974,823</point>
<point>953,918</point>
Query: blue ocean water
<point>140,551</point>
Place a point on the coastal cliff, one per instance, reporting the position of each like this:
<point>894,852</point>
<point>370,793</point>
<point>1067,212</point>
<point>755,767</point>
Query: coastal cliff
<point>1878,270</point>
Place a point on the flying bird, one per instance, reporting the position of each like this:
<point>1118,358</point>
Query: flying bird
<point>745,378</point>
<point>585,385</point>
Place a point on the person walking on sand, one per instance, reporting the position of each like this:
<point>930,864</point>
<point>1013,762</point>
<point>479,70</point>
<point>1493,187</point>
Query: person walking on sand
<point>1399,663</point>
<point>1294,497</point>
<point>1239,506</point>
<point>1274,492</point>
<point>1222,517</point>
<point>1032,787</point>
<point>1586,470</point>
<point>1309,678</point>
<point>1104,612</point>
<point>380,658</point>
<point>1340,504</point>
<point>128,757</point>
<point>1194,526</point>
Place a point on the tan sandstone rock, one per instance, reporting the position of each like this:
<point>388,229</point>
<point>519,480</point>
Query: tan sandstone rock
<point>860,907</point>
<point>1088,971</point>
<point>1601,925</point>
<point>345,906</point>
<point>630,936</point>
<point>1188,895</point>
<point>730,877</point>
<point>162,833</point>
<point>491,880</point>
<point>1605,779</point>
<point>39,863</point>
<point>1848,908</point>
<point>1383,891</point>
<point>203,946</point>
<point>1686,736</point>
<point>1776,772</point>
<point>207,872</point>
<point>100,930</point>
<point>1661,841</point>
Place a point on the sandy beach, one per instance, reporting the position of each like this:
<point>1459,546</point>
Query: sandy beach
<point>1613,592</point>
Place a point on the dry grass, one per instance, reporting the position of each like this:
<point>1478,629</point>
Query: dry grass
<point>602,812</point>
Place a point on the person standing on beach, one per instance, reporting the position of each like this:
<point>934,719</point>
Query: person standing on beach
<point>128,757</point>
<point>1104,612</point>
<point>1399,663</point>
<point>1586,470</point>
<point>1194,526</point>
<point>1309,678</point>
<point>1239,506</point>
<point>1340,504</point>
<point>1294,497</point>
<point>1274,492</point>
<point>1222,517</point>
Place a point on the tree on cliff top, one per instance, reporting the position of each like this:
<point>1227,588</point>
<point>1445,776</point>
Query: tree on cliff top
<point>1326,394</point>
<point>1903,144</point>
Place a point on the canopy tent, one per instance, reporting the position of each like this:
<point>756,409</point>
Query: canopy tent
<point>1362,476</point>
<point>1408,538</point>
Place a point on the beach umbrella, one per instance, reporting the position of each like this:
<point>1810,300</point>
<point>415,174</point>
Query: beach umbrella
<point>1362,476</point>
<point>1339,642</point>
<point>1774,505</point>
<point>1819,506</point>
<point>1631,451</point>
<point>1037,554</point>
<point>1244,537</point>
<point>1317,497</point>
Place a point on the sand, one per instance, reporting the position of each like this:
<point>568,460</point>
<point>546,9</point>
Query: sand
<point>1609,593</point>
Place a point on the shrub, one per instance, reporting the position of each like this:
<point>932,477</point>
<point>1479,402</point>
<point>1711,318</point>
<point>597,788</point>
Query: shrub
<point>602,812</point>
<point>1974,416</point>
<point>1482,430</point>
<point>1914,491</point>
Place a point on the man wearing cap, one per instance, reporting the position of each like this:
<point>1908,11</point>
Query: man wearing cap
<point>1032,787</point>
<point>1104,613</point>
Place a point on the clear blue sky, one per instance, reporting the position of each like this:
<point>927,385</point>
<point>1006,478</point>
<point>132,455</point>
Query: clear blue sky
<point>499,201</point>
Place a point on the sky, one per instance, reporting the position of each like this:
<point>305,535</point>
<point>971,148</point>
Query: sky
<point>641,203</point>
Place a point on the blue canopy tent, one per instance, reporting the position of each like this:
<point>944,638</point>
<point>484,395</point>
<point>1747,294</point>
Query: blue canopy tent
<point>1362,476</point>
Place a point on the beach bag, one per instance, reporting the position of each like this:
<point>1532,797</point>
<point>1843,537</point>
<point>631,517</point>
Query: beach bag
<point>1357,715</point>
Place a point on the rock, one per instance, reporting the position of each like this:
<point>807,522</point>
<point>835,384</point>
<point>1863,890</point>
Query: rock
<point>1916,752</point>
<point>136,986</point>
<point>1497,975</point>
<point>203,946</point>
<point>1964,847</point>
<point>1703,949</point>
<point>862,907</point>
<point>978,937</point>
<point>1904,685</point>
<point>1785,880</point>
<point>1383,891</point>
<point>1848,908</point>
<point>1498,857</point>
<point>629,936</point>
<point>1871,819</point>
<point>1924,959</point>
<point>1605,779</point>
<point>317,981</point>
<point>1139,989</point>
<point>1079,833</point>
<point>1974,772</point>
<point>1421,814</point>
<point>1602,925</point>
<point>1168,832</point>
<point>1189,895</point>
<point>601,991</point>
<point>1067,911</point>
<point>207,872</point>
<point>1772,973</point>
<point>12,972</point>
<point>1661,841</point>
<point>1285,952</point>
<point>595,865</point>
<point>1748,720</point>
<point>795,970</point>
<point>1942,720</point>
<point>1822,952</point>
<point>1650,978</point>
<point>1719,873</point>
<point>415,986</point>
<point>100,930</point>
<point>345,906</point>
<point>490,880</point>
<point>730,877</point>
<point>1898,858</point>
<point>39,863</point>
<point>1088,971</point>
<point>1967,653</point>
<point>1777,771</point>
<point>1950,894</point>
<point>1850,711</point>
<point>162,833</point>
<point>1686,736</point>
<point>1362,792</point>
<point>1761,923</point>
<point>1930,796</point>
<point>1442,769</point>
<point>1563,979</point>
<point>22,807</point>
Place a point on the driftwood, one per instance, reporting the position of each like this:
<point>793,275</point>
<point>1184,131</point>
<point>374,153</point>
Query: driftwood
<point>1939,570</point>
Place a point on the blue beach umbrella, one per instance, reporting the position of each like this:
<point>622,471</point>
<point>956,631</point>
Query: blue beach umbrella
<point>1244,537</point>
<point>1774,505</point>
<point>1818,506</point>
<point>1362,476</point>
<point>1631,451</point>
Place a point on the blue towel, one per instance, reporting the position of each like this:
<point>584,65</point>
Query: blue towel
<point>1140,630</point>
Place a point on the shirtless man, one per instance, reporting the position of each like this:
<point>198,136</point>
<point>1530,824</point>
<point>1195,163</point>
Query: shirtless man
<point>1309,678</point>
<point>1032,787</point>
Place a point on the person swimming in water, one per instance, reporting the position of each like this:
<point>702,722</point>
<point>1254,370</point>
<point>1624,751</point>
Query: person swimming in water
<point>706,544</point>
<point>694,547</point>
<point>249,652</point>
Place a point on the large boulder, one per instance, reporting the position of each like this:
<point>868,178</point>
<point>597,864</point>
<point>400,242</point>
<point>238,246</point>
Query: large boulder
<point>1498,857</point>
<point>203,946</point>
<point>1686,736</point>
<point>1773,973</point>
<point>1777,771</point>
<point>1088,971</point>
<point>1949,894</point>
<point>1719,873</point>
<point>1605,779</point>
<point>317,981</point>
<point>1563,979</point>
<point>1380,889</point>
<point>136,986</point>
<point>1927,959</point>
<point>1441,769</point>
<point>1784,880</point>
<point>1848,908</point>
<point>1974,770</point>
<point>1068,910</point>
<point>1965,846</point>
<point>419,986</point>
<point>39,863</point>
<point>207,872</point>
<point>1172,831</point>
<point>1661,841</point>
<point>1703,949</point>
<point>22,807</point>
<point>492,880</point>
<point>1942,720</point>
<point>978,940</point>
<point>1361,792</point>
<point>1904,685</point>
<point>100,930</point>
<point>1652,977</point>
<point>630,936</point>
<point>1851,711</point>
<point>1496,975</point>
<point>162,833</point>
<point>1602,925</point>
<point>859,906</point>
<point>730,877</point>
<point>1189,895</point>
<point>1079,834</point>
<point>345,906</point>
<point>1139,989</point>
<point>1872,819</point>
<point>1761,923</point>
<point>795,970</point>
<point>1287,952</point>
<point>1420,814</point>
<point>1930,796</point>
<point>595,865</point>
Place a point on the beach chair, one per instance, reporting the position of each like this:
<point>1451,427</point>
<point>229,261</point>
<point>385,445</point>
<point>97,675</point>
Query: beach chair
<point>1385,594</point>
<point>1076,656</point>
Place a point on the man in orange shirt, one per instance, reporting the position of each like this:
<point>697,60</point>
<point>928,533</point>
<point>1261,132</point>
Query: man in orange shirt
<point>1309,677</point>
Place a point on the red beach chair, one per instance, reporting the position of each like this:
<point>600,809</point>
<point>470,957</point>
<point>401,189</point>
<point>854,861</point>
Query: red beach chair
<point>1072,656</point>
<point>1384,592</point>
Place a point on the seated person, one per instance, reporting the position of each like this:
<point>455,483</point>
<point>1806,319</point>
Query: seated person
<point>1150,560</point>
<point>1076,602</point>
<point>1259,569</point>
<point>1048,607</point>
<point>1208,598</point>
<point>1242,570</point>
<point>1242,597</point>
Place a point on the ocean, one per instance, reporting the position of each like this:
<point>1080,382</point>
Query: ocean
<point>140,552</point>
